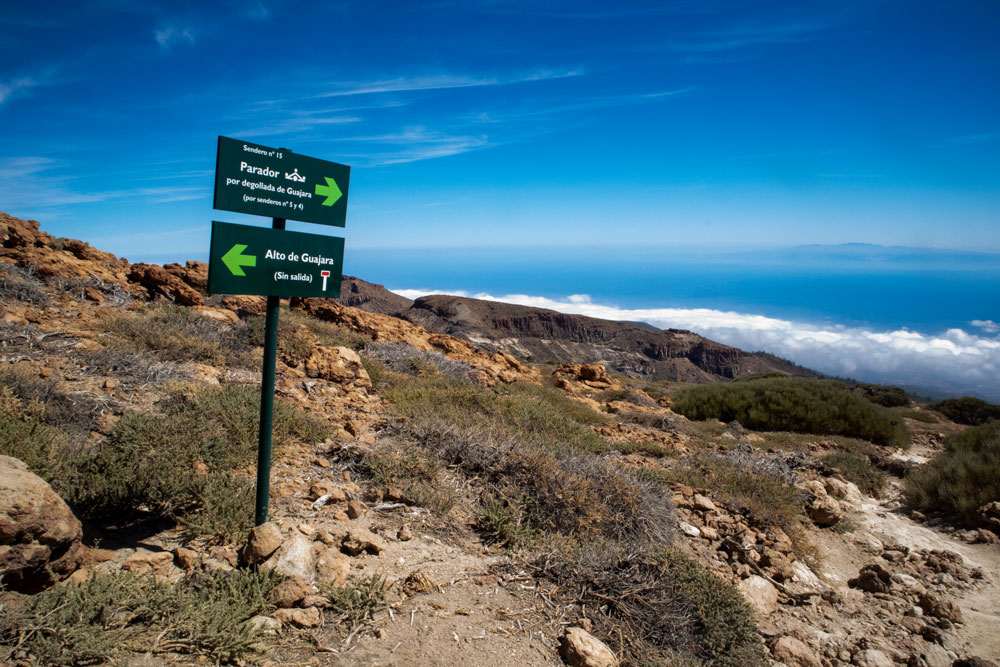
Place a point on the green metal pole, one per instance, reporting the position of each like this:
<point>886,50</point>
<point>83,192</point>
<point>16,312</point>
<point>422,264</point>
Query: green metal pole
<point>267,401</point>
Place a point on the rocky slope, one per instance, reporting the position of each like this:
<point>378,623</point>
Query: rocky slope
<point>877,586</point>
<point>546,336</point>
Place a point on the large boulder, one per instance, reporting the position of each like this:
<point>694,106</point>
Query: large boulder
<point>39,536</point>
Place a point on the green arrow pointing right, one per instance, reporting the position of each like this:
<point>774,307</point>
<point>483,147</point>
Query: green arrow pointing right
<point>331,191</point>
<point>235,259</point>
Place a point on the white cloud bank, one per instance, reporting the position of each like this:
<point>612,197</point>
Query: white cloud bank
<point>954,362</point>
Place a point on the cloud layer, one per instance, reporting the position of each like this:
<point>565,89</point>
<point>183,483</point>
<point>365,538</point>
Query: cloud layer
<point>953,362</point>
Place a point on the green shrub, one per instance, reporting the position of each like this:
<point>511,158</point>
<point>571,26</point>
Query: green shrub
<point>925,416</point>
<point>41,447</point>
<point>962,478</point>
<point>505,523</point>
<point>793,404</point>
<point>358,600</point>
<point>859,470</point>
<point>147,462</point>
<point>111,617</point>
<point>539,416</point>
<point>179,334</point>
<point>887,396</point>
<point>968,410</point>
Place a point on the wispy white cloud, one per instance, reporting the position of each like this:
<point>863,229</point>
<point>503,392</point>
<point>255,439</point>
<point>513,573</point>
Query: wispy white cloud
<point>954,361</point>
<point>418,143</point>
<point>988,326</point>
<point>15,87</point>
<point>445,81</point>
<point>741,37</point>
<point>972,139</point>
<point>169,36</point>
<point>31,183</point>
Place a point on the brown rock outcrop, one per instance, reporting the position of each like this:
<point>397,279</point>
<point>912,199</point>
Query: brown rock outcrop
<point>38,532</point>
<point>340,365</point>
<point>161,283</point>
<point>493,368</point>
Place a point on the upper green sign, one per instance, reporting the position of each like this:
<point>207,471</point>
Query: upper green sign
<point>275,262</point>
<point>277,183</point>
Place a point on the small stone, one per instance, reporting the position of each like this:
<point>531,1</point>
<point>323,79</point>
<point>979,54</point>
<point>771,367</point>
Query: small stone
<point>300,618</point>
<point>709,533</point>
<point>264,540</point>
<point>293,559</point>
<point>265,625</point>
<point>872,579</point>
<point>325,487</point>
<point>579,648</point>
<point>321,462</point>
<point>306,529</point>
<point>404,534</point>
<point>394,493</point>
<point>759,594</point>
<point>333,567</point>
<point>143,562</point>
<point>872,658</point>
<point>314,601</point>
<point>908,583</point>
<point>358,540</point>
<point>355,509</point>
<point>287,593</point>
<point>940,608</point>
<point>225,553</point>
<point>186,558</point>
<point>341,516</point>
<point>702,503</point>
<point>688,529</point>
<point>111,383</point>
<point>794,653</point>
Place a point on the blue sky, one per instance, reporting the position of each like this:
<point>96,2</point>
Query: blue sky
<point>531,127</point>
<point>672,124</point>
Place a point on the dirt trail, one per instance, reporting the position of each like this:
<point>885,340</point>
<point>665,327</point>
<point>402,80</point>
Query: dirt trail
<point>981,605</point>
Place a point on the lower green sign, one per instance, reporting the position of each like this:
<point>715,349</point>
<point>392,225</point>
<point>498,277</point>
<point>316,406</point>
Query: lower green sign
<point>274,262</point>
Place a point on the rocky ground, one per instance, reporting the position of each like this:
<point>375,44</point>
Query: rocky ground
<point>877,585</point>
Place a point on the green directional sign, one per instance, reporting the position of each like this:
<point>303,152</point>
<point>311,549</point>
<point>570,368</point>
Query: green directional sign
<point>274,182</point>
<point>274,262</point>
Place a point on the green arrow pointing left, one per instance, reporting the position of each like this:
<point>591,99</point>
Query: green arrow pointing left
<point>331,191</point>
<point>235,259</point>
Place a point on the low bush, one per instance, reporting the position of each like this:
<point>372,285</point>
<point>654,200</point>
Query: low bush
<point>22,285</point>
<point>358,600</point>
<point>793,404</point>
<point>968,410</point>
<point>42,400</point>
<point>41,447</point>
<point>408,360</point>
<point>764,496</point>
<point>575,495</point>
<point>887,396</point>
<point>112,617</point>
<point>962,478</point>
<point>859,470</point>
<point>179,334</point>
<point>538,416</point>
<point>925,416</point>
<point>148,462</point>
<point>672,610</point>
